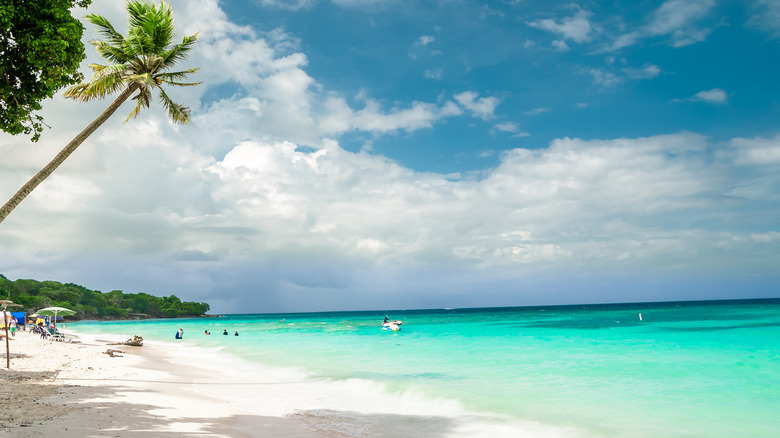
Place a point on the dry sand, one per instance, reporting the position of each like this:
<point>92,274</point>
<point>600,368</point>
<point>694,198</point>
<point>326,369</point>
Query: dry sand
<point>75,389</point>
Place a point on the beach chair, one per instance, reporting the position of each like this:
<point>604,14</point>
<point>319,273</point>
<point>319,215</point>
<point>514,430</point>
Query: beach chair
<point>44,334</point>
<point>55,335</point>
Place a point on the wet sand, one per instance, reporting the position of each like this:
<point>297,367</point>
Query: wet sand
<point>74,389</point>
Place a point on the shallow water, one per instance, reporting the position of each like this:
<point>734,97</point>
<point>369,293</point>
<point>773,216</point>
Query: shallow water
<point>686,369</point>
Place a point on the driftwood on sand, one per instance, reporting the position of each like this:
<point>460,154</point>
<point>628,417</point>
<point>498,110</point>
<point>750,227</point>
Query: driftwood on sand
<point>135,341</point>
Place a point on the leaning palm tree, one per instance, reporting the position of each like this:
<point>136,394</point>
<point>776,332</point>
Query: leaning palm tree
<point>138,63</point>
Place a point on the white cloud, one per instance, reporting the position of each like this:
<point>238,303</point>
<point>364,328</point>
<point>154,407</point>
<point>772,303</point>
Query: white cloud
<point>576,28</point>
<point>424,40</point>
<point>757,151</point>
<point>255,204</point>
<point>482,107</point>
<point>292,5</point>
<point>357,3</point>
<point>772,236</point>
<point>604,78</point>
<point>675,20</point>
<point>766,16</point>
<point>560,45</point>
<point>537,111</point>
<point>509,127</point>
<point>715,95</point>
<point>647,72</point>
<point>275,98</point>
<point>676,15</point>
<point>433,74</point>
<point>145,197</point>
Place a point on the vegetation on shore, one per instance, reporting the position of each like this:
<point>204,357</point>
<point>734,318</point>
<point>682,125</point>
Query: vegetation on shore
<point>33,295</point>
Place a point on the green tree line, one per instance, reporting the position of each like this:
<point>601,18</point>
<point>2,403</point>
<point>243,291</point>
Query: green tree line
<point>33,295</point>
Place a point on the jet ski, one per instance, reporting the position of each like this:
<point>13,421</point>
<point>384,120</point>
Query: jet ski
<point>392,325</point>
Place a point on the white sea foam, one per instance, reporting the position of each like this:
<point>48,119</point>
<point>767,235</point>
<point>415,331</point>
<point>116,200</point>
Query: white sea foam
<point>352,407</point>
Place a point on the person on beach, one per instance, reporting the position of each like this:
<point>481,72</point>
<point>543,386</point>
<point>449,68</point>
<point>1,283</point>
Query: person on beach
<point>12,327</point>
<point>225,332</point>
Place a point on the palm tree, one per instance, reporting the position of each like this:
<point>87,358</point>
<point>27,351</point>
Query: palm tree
<point>138,63</point>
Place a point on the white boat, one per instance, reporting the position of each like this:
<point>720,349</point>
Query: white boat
<point>392,325</point>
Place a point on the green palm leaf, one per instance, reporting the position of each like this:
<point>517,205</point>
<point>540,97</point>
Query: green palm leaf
<point>176,112</point>
<point>141,59</point>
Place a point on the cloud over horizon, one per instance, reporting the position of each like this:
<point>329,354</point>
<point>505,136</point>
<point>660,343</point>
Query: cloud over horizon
<point>265,202</point>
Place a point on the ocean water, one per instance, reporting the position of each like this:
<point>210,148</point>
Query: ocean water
<point>686,369</point>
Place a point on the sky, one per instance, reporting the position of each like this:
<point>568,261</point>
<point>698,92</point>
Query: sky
<point>400,154</point>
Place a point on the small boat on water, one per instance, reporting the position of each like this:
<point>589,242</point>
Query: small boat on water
<point>391,325</point>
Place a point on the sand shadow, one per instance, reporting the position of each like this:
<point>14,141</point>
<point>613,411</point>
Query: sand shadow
<point>97,411</point>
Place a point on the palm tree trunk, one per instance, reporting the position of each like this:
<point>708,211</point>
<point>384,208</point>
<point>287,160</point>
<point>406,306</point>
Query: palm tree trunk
<point>65,153</point>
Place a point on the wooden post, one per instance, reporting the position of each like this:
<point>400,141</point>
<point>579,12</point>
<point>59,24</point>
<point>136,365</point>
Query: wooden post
<point>4,304</point>
<point>7,347</point>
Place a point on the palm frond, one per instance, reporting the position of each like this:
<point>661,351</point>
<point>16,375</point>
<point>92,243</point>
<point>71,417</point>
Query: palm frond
<point>106,29</point>
<point>118,70</point>
<point>140,59</point>
<point>151,26</point>
<point>111,53</point>
<point>139,42</point>
<point>179,52</point>
<point>136,10</point>
<point>143,99</point>
<point>175,77</point>
<point>99,87</point>
<point>160,27</point>
<point>177,113</point>
<point>155,63</point>
<point>107,80</point>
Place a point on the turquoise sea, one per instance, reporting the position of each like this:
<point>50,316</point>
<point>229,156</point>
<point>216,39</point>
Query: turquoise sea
<point>685,369</point>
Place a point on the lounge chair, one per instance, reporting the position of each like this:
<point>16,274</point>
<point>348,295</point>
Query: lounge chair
<point>55,335</point>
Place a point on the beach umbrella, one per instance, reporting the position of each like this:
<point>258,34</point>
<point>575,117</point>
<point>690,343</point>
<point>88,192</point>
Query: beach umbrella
<point>53,311</point>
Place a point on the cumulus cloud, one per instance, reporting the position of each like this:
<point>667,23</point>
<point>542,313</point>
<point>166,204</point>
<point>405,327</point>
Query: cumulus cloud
<point>675,20</point>
<point>275,98</point>
<point>482,107</point>
<point>292,5</point>
<point>509,127</point>
<point>765,15</point>
<point>560,45</point>
<point>715,95</point>
<point>757,151</point>
<point>613,77</point>
<point>537,111</point>
<point>434,74</point>
<point>424,40</point>
<point>256,205</point>
<point>647,72</point>
<point>604,78</point>
<point>576,27</point>
<point>163,206</point>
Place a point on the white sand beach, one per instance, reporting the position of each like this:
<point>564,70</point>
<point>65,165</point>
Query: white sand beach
<point>75,389</point>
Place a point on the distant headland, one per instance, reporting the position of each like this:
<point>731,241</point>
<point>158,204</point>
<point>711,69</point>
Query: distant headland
<point>91,304</point>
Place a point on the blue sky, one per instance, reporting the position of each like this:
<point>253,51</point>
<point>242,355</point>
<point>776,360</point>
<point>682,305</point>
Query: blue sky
<point>386,154</point>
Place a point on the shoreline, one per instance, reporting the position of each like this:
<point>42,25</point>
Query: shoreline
<point>75,389</point>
